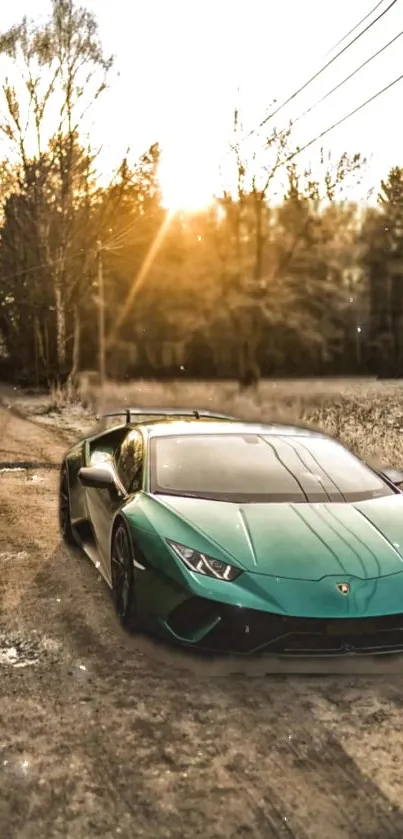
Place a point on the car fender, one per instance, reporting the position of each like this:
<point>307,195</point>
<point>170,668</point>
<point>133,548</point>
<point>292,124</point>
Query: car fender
<point>120,517</point>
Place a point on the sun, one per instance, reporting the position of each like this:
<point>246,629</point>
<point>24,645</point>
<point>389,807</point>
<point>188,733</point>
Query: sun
<point>186,184</point>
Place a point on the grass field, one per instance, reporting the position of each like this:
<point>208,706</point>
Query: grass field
<point>365,414</point>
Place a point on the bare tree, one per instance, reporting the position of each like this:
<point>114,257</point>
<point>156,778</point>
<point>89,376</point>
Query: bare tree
<point>247,222</point>
<point>64,73</point>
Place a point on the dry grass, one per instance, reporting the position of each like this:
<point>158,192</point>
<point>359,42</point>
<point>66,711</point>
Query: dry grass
<point>365,414</point>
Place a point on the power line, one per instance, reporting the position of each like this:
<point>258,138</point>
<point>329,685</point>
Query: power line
<point>150,256</point>
<point>284,262</point>
<point>116,241</point>
<point>350,32</point>
<point>347,78</point>
<point>319,72</point>
<point>330,128</point>
<point>59,260</point>
<point>25,271</point>
<point>340,121</point>
<point>290,157</point>
<point>301,232</point>
<point>282,163</point>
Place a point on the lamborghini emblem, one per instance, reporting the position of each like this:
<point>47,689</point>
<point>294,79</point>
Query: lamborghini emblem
<point>343,588</point>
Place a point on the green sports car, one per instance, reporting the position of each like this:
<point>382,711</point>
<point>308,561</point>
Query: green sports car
<point>238,537</point>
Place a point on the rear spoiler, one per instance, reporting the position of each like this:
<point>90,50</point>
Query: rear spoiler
<point>130,413</point>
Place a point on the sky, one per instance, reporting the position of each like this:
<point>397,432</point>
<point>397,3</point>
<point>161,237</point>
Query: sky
<point>181,66</point>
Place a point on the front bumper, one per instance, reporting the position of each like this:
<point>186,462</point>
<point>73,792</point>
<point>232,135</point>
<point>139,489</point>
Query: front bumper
<point>220,628</point>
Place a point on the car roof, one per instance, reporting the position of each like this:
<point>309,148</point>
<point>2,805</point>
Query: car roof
<point>174,427</point>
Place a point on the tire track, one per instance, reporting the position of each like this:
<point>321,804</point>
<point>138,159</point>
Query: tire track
<point>370,725</point>
<point>167,769</point>
<point>295,745</point>
<point>111,664</point>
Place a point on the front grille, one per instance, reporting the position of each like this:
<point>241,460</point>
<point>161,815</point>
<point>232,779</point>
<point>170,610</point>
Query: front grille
<point>248,631</point>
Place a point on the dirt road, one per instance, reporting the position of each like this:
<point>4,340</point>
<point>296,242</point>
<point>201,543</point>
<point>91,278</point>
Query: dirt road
<point>102,734</point>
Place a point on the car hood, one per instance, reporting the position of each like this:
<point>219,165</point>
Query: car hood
<point>295,541</point>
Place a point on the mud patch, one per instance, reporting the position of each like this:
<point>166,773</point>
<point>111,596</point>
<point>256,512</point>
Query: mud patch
<point>18,651</point>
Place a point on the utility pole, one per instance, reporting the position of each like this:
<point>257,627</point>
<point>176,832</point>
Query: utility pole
<point>101,322</point>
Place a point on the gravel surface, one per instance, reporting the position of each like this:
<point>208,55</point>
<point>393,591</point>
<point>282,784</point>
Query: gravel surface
<point>106,734</point>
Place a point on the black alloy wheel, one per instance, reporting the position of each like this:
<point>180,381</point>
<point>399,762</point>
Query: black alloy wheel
<point>123,578</point>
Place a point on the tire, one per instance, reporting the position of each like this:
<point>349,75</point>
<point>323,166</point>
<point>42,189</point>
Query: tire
<point>66,529</point>
<point>123,578</point>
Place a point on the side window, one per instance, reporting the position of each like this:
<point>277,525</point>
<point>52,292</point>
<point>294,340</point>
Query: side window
<point>130,461</point>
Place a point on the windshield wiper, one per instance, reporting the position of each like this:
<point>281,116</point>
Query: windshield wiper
<point>182,494</point>
<point>223,498</point>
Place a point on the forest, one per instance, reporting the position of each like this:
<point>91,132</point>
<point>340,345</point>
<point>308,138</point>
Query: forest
<point>296,280</point>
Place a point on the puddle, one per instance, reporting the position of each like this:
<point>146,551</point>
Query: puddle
<point>17,651</point>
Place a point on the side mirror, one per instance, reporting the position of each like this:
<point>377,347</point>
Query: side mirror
<point>394,475</point>
<point>97,477</point>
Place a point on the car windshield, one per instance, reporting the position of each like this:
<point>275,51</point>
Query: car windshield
<point>261,468</point>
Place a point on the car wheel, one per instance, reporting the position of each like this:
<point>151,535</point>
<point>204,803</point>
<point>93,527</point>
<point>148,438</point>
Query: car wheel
<point>123,579</point>
<point>64,508</point>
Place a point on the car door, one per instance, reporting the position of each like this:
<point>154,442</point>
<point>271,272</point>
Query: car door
<point>103,504</point>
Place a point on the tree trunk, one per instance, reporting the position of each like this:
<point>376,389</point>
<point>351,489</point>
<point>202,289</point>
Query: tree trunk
<point>42,346</point>
<point>72,381</point>
<point>60,328</point>
<point>36,346</point>
<point>259,237</point>
<point>76,343</point>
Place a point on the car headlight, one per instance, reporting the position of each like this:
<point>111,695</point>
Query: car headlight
<point>206,565</point>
